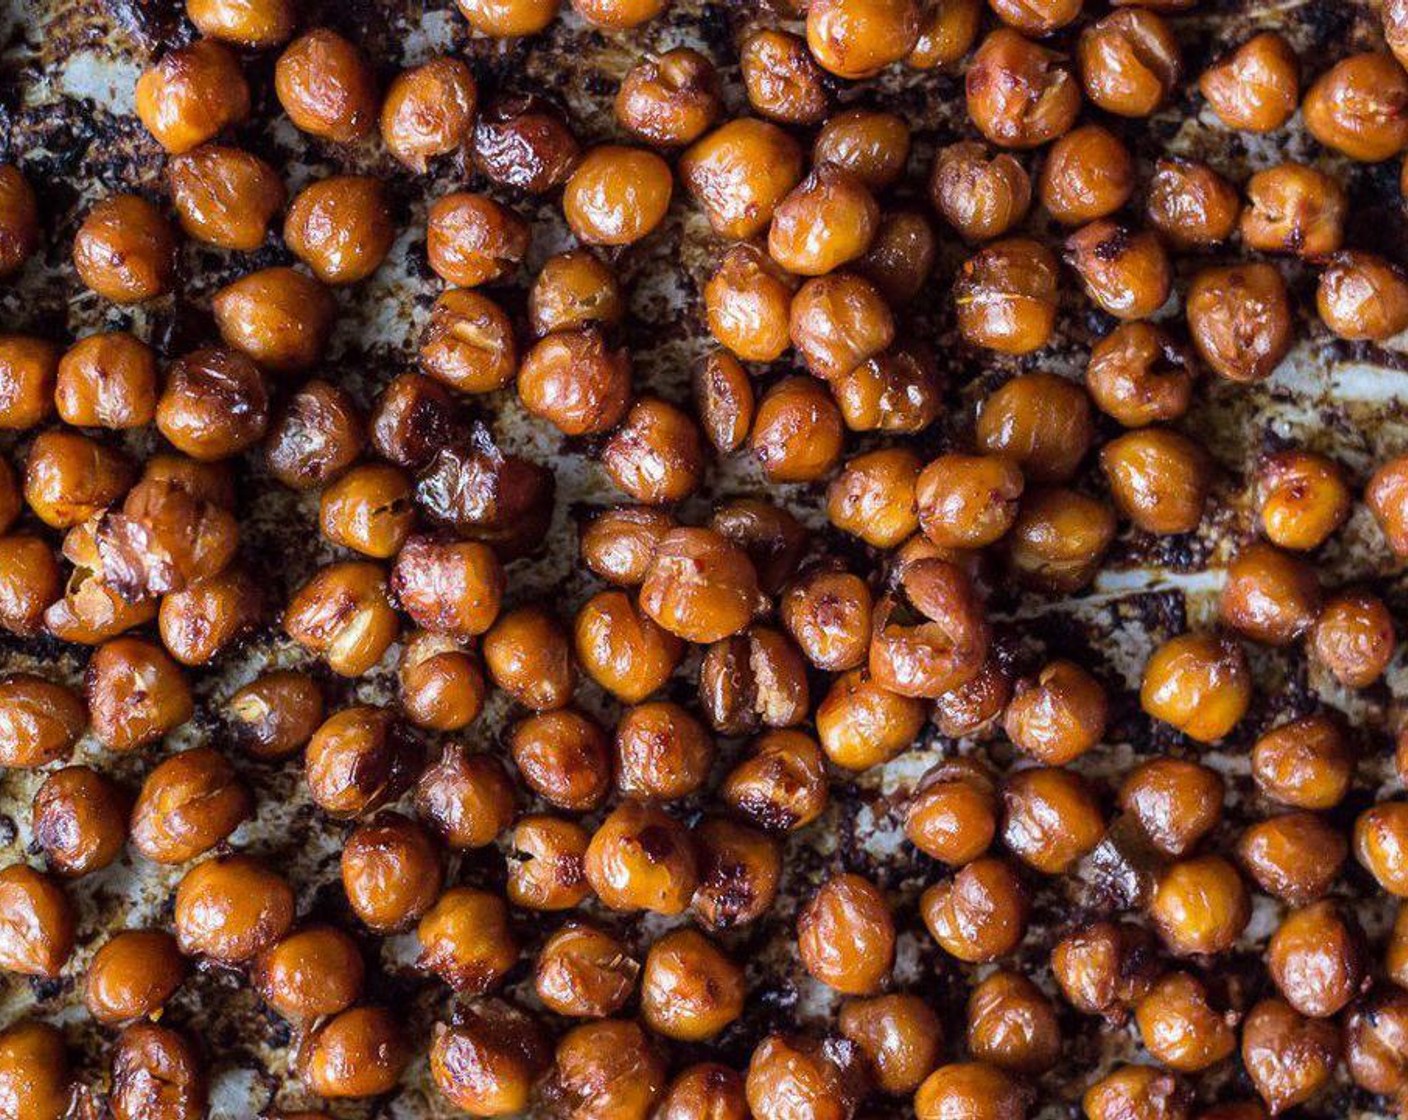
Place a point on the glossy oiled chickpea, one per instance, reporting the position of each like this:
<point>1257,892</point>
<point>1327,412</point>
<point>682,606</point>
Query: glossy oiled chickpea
<point>859,38</point>
<point>1012,1025</point>
<point>901,255</point>
<point>972,1089</point>
<point>191,95</point>
<point>690,990</point>
<point>546,864</point>
<point>466,940</point>
<point>1374,1042</point>
<point>225,196</point>
<point>189,803</point>
<point>1288,1057</point>
<point>1354,638</point>
<point>391,872</point>
<point>1020,95</point>
<point>739,172</point>
<point>930,635</point>
<point>1059,715</point>
<point>772,538</point>
<point>781,785</point>
<point>641,858</point>
<point>828,219</point>
<point>1191,204</point>
<point>326,87</point>
<point>618,15</point>
<point>28,374</point>
<point>341,227</point>
<point>203,618</point>
<point>447,586</point>
<point>1308,762</point>
<point>1294,208</point>
<point>1359,107</point>
<point>872,145</point>
<point>255,24</point>
<point>564,757</point>
<point>860,724</point>
<point>571,290</point>
<point>343,615</point>
<point>705,1091</point>
<point>215,404</point>
<point>617,195</point>
<point>1051,818</point>
<point>68,477</point>
<point>846,935</point>
<point>125,250</point>
<point>669,99</point>
<point>724,400</point>
<point>361,1052</point>
<point>508,19</point>
<point>662,752</point>
<point>358,760</point>
<point>1039,18</point>
<point>1040,422</point>
<point>1006,296</point>
<point>136,694</point>
<point>1386,495</point>
<point>1104,968</point>
<point>1179,1026</point>
<point>1159,479</point>
<point>576,381</point>
<point>79,820</point>
<point>656,455</point>
<point>319,434</point>
<point>1295,857</point>
<point>700,586</point>
<point>618,544</point>
<point>1240,320</point>
<point>468,799</point>
<point>872,497</point>
<point>133,975</point>
<point>429,111</point>
<point>107,381</point>
<point>782,79</point>
<point>231,908</point>
<point>979,914</point>
<point>947,31</point>
<point>1088,175</point>
<point>473,240</point>
<point>1175,802</point>
<point>836,322</point>
<point>747,302</point>
<point>1199,683</point>
<point>90,611</point>
<point>1129,62</point>
<point>1363,297</point>
<point>828,615</point>
<point>1303,498</point>
<point>488,1060</point>
<point>278,316</point>
<point>522,141</point>
<point>1255,88</point>
<point>1318,959</point>
<point>752,680</point>
<point>1381,845</point>
<point>790,1073</point>
<point>953,814</point>
<point>900,1035</point>
<point>19,220</point>
<point>368,510</point>
<point>584,972</point>
<point>1125,272</point>
<point>314,971</point>
<point>413,419</point>
<point>442,683</point>
<point>1270,596</point>
<point>37,937</point>
<point>979,195</point>
<point>1133,1091</point>
<point>157,1074</point>
<point>739,872</point>
<point>1140,375</point>
<point>1199,906</point>
<point>529,656</point>
<point>608,1068</point>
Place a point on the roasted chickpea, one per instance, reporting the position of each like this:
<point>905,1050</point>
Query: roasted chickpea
<point>1020,95</point>
<point>341,227</point>
<point>1307,763</point>
<point>1363,297</point>
<point>873,146</point>
<point>617,195</point>
<point>1125,272</point>
<point>1040,422</point>
<point>1293,208</point>
<point>429,111</point>
<point>1199,906</point>
<point>1191,204</point>
<point>19,220</point>
<point>901,256</point>
<point>827,220</point>
<point>1050,818</point>
<point>157,1074</point>
<point>564,757</point>
<point>413,420</point>
<point>931,635</point>
<point>1270,596</point>
<point>391,872</point>
<point>107,381</point>
<point>314,971</point>
<point>358,760</point>
<point>619,544</point>
<point>37,937</point>
<point>781,785</point>
<point>79,820</point>
<point>751,680</point>
<point>508,19</point>
<point>975,709</point>
<point>231,908</point>
<point>860,724</point>
<point>132,976</point>
<point>361,1052</point>
<point>529,656</point>
<point>1386,495</point>
<point>447,586</point>
<point>739,172</point>
<point>747,302</point>
<point>1006,296</point>
<point>972,1089</point>
<point>1288,1057</point>
<point>189,803</point>
<point>255,24</point>
<point>873,497</point>
<point>700,586</point>
<point>1354,638</point>
<point>198,622</point>
<point>224,196</point>
<point>136,694</point>
<point>839,321</point>
<point>368,510</point>
<point>1198,683</point>
<point>576,381</point>
<point>1180,1027</point>
<point>1359,107</point>
<point>1295,857</point>
<point>278,317</point>
<point>125,250</point>
<point>342,614</point>
<point>1255,88</point>
<point>191,95</point>
<point>442,683</point>
<point>215,404</point>
<point>1317,958</point>
<point>1104,968</point>
<point>1159,479</point>
<point>669,99</point>
<point>1140,375</point>
<point>609,1068</point>
<point>781,78</point>
<point>488,1060</point>
<point>705,1091</point>
<point>326,87</point>
<point>773,539</point>
<point>1059,715</point>
<point>739,871</point>
<point>656,454</point>
<point>473,240</point>
<point>900,1035</point>
<point>1012,1025</point>
<point>1374,1042</point>
<point>1142,1091</point>
<point>1175,802</point>
<point>29,370</point>
<point>319,434</point>
<point>618,15</point>
<point>979,914</point>
<point>545,864</point>
<point>642,859</point>
<point>1129,62</point>
<point>824,1079</point>
<point>1240,320</point>
<point>689,990</point>
<point>1381,845</point>
<point>572,289</point>
<point>846,935</point>
<point>953,814</point>
<point>723,400</point>
<point>521,141</point>
<point>859,38</point>
<point>466,941</point>
<point>68,477</point>
<point>982,197</point>
<point>828,615</point>
<point>1303,498</point>
<point>1088,175</point>
<point>947,31</point>
<point>662,752</point>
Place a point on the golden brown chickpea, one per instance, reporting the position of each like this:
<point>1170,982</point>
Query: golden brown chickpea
<point>662,752</point>
<point>136,694</point>
<point>705,1091</point>
<point>836,322</point>
<point>448,586</point>
<point>1041,422</point>
<point>981,197</point>
<point>1175,802</point>
<point>189,803</point>
<point>466,940</point>
<point>974,710</point>
<point>1198,683</point>
<point>608,1068</point>
<point>1199,906</point>
<point>781,785</point>
<point>1270,596</point>
<point>846,935</point>
<point>739,871</point>
<point>900,1035</point>
<point>901,255</point>
<point>1359,107</point>
<point>1255,88</point>
<point>781,78</point>
<point>574,289</point>
<point>1129,62</point>
<point>1240,320</point>
<point>529,656</point>
<point>1295,857</point>
<point>37,936</point>
<point>1159,479</point>
<point>618,15</point>
<point>584,972</point>
<point>429,111</point>
<point>973,1090</point>
<point>825,1080</point>
<point>1140,375</point>
<point>656,455</point>
<point>413,419</point>
<point>617,195</point>
<point>953,814</point>
<point>564,757</point>
<point>468,344</point>
<point>618,544</point>
<point>1142,1092</point>
<point>274,716</point>
<point>90,611</point>
<point>19,220</point>
<point>391,872</point>
<point>107,381</point>
<point>442,683</point>
<point>361,1052</point>
<point>689,990</point>
<point>860,724</point>
<point>1006,296</point>
<point>947,31</point>
<point>641,858</point>
<point>1374,1042</point>
<point>468,799</point>
<point>79,821</point>
<point>751,680</point>
<point>278,317</point>
<point>828,615</point>
<point>747,302</point>
<point>669,99</point>
<point>1179,1027</point>
<point>1051,819</point>
<point>1386,495</point>
<point>342,614</point>
<point>358,760</point>
<point>1307,763</point>
<point>828,219</point>
<point>125,250</point>
<point>202,619</point>
<point>1318,959</point>
<point>215,404</point>
<point>1191,204</point>
<point>231,908</point>
<point>873,146</point>
<point>69,478</point>
<point>489,1059</point>
<point>1037,18</point>
<point>979,914</point>
<point>368,510</point>
<point>545,864</point>
<point>930,635</point>
<point>739,172</point>
<point>326,87</point>
<point>1059,715</point>
<point>859,38</point>
<point>157,1074</point>
<point>1381,845</point>
<point>1012,1025</point>
<point>723,400</point>
<point>132,976</point>
<point>1293,208</point>
<point>1303,499</point>
<point>1363,297</point>
<point>254,24</point>
<point>1103,968</point>
<point>315,971</point>
<point>1020,95</point>
<point>224,196</point>
<point>341,227</point>
<point>508,19</point>
<point>700,586</point>
<point>873,497</point>
<point>521,141</point>
<point>576,381</point>
<point>319,434</point>
<point>1288,1057</point>
<point>473,240</point>
<point>28,374</point>
<point>1354,638</point>
<point>1088,175</point>
<point>1125,272</point>
<point>191,95</point>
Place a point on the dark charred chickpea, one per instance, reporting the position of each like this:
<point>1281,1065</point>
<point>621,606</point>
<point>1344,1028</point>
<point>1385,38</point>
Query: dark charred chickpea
<point>68,477</point>
<point>224,196</point>
<point>739,871</point>
<point>429,111</point>
<point>157,1074</point>
<point>442,683</point>
<point>689,989</point>
<point>231,908</point>
<point>1359,107</point>
<point>1198,683</point>
<point>1139,375</point>
<point>900,1035</point>
<point>317,436</point>
<point>662,752</point>
<point>192,94</point>
<point>1104,968</point>
<point>972,1089</point>
<point>1125,272</point>
<point>37,937</point>
<point>107,381</point>
<point>846,935</point>
<point>1020,95</point>
<point>700,586</point>
<point>747,302</point>
<point>609,1068</point>
<point>125,250</point>
<point>872,497</point>
<point>828,615</point>
<point>1303,499</point>
<point>827,220</point>
<point>509,19</point>
<point>413,418</point>
<point>1191,204</point>
<point>576,381</point>
<point>723,400</point>
<point>772,538</point>
<point>1050,818</point>
<point>930,635</point>
<point>278,317</point>
<point>821,1078</point>
<point>1294,208</point>
<point>1288,1056</point>
<point>860,724</point>
<point>136,694</point>
<point>1295,857</point>
<point>1060,535</point>
<point>1307,763</point>
<point>1159,479</point>
<point>358,760</point>
<point>1363,297</point>
<point>952,816</point>
<point>1175,802</point>
<point>488,1060</point>
<point>132,976</point>
<point>739,172</point>
<point>1381,845</point>
<point>836,322</point>
<point>1270,596</point>
<point>1354,638</point>
<point>781,784</point>
<point>1006,296</point>
<point>618,545</point>
<point>215,404</point>
<point>254,24</point>
<point>574,289</point>
<point>314,971</point>
<point>341,227</point>
<point>1240,320</point>
<point>1088,175</point>
<point>466,940</point>
<point>1129,62</point>
<point>705,1091</point>
<point>859,38</point>
<point>669,99</point>
<point>781,78</point>
<point>641,858</point>
<point>656,455</point>
<point>276,714</point>
<point>1255,88</point>
<point>1059,715</point>
<point>19,220</point>
<point>343,615</point>
<point>467,799</point>
<point>872,145</point>
<point>79,821</point>
<point>473,240</point>
<point>947,31</point>
<point>1318,959</point>
<point>982,196</point>
<point>1199,906</point>
<point>326,87</point>
<point>361,1052</point>
<point>522,141</point>
<point>978,915</point>
<point>391,872</point>
<point>1041,422</point>
<point>901,255</point>
<point>1140,1091</point>
<point>617,195</point>
<point>545,864</point>
<point>1012,1025</point>
<point>189,803</point>
<point>564,757</point>
<point>1375,1044</point>
<point>529,656</point>
<point>29,370</point>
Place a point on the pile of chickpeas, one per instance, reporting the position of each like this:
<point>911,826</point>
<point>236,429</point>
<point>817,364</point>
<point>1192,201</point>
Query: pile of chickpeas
<point>748,664</point>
